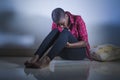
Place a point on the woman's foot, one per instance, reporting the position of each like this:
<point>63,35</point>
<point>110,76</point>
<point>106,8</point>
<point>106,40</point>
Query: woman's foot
<point>44,62</point>
<point>29,63</point>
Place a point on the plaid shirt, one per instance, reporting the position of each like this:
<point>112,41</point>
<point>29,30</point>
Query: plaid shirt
<point>77,28</point>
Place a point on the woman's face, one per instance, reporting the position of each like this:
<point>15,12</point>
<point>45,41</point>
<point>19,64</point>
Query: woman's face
<point>63,22</point>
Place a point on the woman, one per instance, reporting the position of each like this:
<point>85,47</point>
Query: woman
<point>68,37</point>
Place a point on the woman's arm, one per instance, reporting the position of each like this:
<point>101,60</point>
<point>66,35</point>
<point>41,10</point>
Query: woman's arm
<point>83,41</point>
<point>76,44</point>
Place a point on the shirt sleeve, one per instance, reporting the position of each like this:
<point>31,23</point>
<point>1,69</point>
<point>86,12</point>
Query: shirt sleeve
<point>82,32</point>
<point>54,26</point>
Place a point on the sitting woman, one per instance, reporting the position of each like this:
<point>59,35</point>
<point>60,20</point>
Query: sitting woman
<point>68,37</point>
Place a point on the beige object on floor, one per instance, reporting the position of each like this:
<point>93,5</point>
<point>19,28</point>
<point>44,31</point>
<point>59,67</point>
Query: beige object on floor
<point>106,52</point>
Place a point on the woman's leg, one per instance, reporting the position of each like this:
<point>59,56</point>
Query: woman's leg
<point>59,45</point>
<point>47,42</point>
<point>64,37</point>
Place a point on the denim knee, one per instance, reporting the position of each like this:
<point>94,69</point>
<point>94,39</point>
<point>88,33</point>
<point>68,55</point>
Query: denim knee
<point>65,30</point>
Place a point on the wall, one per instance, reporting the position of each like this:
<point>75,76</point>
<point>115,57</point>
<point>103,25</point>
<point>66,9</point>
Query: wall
<point>33,18</point>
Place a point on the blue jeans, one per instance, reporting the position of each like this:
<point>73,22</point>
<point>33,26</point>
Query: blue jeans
<point>59,41</point>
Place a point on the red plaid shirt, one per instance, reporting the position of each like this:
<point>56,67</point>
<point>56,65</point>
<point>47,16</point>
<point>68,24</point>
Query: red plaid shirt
<point>77,28</point>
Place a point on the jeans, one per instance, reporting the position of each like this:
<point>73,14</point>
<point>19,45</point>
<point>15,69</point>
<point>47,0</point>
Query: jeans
<point>59,41</point>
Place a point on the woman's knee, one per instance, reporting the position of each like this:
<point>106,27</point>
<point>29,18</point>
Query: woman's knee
<point>55,30</point>
<point>65,31</point>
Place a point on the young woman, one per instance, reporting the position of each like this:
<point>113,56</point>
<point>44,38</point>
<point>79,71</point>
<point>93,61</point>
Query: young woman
<point>68,37</point>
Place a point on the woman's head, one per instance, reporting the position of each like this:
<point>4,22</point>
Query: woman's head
<point>59,16</point>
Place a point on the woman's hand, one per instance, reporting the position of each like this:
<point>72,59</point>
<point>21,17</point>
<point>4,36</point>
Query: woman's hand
<point>69,45</point>
<point>76,44</point>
